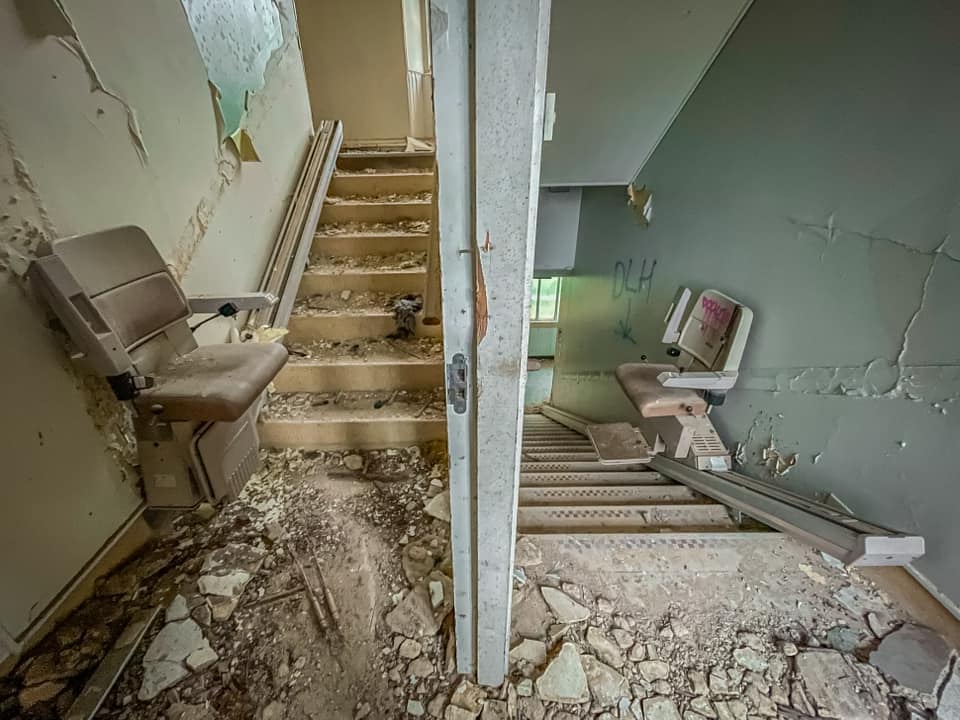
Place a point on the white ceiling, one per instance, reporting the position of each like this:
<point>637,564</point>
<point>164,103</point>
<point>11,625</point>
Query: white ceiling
<point>622,70</point>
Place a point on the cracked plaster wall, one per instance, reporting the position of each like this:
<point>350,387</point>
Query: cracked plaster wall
<point>815,176</point>
<point>70,162</point>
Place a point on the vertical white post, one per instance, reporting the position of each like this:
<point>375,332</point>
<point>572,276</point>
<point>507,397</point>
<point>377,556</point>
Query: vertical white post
<point>510,68</point>
<point>450,27</point>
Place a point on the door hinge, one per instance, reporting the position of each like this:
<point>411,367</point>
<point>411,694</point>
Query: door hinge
<point>457,383</point>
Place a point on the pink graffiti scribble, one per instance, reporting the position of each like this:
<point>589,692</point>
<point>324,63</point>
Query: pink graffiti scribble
<point>716,313</point>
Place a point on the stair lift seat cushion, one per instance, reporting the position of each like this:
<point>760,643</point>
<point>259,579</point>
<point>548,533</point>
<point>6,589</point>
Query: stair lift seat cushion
<point>213,382</point>
<point>639,382</point>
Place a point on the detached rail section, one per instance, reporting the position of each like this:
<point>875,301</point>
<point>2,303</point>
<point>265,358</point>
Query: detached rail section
<point>852,540</point>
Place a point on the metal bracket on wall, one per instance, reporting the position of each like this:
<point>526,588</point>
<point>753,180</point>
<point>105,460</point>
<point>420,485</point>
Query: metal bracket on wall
<point>457,384</point>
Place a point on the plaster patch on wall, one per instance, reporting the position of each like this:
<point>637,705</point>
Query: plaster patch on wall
<point>20,236</point>
<point>228,166</point>
<point>38,19</point>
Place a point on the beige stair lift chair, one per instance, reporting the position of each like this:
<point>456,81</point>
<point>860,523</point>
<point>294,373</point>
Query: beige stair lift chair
<point>195,407</point>
<point>674,400</point>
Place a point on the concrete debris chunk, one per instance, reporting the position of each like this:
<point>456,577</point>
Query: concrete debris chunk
<point>858,602</point>
<point>353,462</point>
<point>606,685</point>
<point>221,608</point>
<point>717,680</point>
<point>880,624</point>
<point>417,561</point>
<point>177,610</point>
<point>414,616</point>
<point>228,584</point>
<point>439,506</point>
<point>468,696</point>
<point>531,651</point>
<point>164,661</point>
<point>915,656</point>
<point>420,668</point>
<point>494,710</point>
<point>637,653</point>
<point>835,687</point>
<point>525,687</point>
<point>653,670</point>
<point>698,682</point>
<point>436,593</point>
<point>750,659</point>
<point>564,608</point>
<point>526,553</point>
<point>564,680</point>
<point>623,638</point>
<point>605,648</point>
<point>409,649</point>
<point>842,638</point>
<point>660,708</point>
<point>530,615</point>
<point>415,708</point>
<point>457,713</point>
<point>702,706</point>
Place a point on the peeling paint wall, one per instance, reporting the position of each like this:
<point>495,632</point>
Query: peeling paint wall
<point>815,176</point>
<point>356,65</point>
<point>106,119</point>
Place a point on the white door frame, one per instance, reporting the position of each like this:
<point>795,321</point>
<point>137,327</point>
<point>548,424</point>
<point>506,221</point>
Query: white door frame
<point>490,62</point>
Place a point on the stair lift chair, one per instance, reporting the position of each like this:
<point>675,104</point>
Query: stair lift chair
<point>195,407</point>
<point>675,399</point>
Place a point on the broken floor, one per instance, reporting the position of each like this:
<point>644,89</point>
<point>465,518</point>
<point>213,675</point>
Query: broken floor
<point>606,627</point>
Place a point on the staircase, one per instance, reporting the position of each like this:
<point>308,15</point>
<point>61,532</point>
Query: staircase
<point>565,489</point>
<point>347,384</point>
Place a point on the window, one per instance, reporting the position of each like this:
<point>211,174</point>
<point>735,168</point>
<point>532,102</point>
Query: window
<point>544,299</point>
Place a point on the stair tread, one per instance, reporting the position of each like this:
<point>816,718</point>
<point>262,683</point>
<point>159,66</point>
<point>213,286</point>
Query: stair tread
<point>358,406</point>
<point>356,303</point>
<point>609,494</point>
<point>424,198</point>
<point>384,172</point>
<point>635,518</point>
<point>399,228</point>
<point>409,262</point>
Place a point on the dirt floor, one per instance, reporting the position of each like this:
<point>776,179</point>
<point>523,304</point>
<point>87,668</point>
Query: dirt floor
<point>612,627</point>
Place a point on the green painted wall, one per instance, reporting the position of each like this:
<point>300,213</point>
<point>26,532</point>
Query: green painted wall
<point>815,175</point>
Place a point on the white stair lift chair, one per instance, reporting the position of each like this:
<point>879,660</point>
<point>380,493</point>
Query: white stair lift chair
<point>675,399</point>
<point>195,407</point>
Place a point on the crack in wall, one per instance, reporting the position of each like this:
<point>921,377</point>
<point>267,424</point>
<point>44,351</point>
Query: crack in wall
<point>830,233</point>
<point>75,46</point>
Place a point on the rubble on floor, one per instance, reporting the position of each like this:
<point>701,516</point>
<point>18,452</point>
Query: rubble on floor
<point>236,635</point>
<point>331,303</point>
<point>428,403</point>
<point>423,196</point>
<point>246,629</point>
<point>379,228</point>
<point>406,260</point>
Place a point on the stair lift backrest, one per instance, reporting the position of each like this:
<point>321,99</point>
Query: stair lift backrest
<point>117,298</point>
<point>715,333</point>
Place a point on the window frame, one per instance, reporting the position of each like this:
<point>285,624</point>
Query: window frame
<point>535,302</point>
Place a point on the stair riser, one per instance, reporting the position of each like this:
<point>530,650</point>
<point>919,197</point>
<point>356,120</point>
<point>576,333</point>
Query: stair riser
<point>384,162</point>
<point>358,245</point>
<point>342,435</point>
<point>304,328</point>
<point>602,479</point>
<point>391,282</point>
<point>302,377</point>
<point>381,184</point>
<point>375,212</point>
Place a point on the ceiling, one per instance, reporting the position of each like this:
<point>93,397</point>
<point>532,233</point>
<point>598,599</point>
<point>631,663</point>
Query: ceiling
<point>622,70</point>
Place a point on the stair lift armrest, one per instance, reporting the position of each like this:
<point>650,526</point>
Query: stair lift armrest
<point>715,381</point>
<point>203,304</point>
